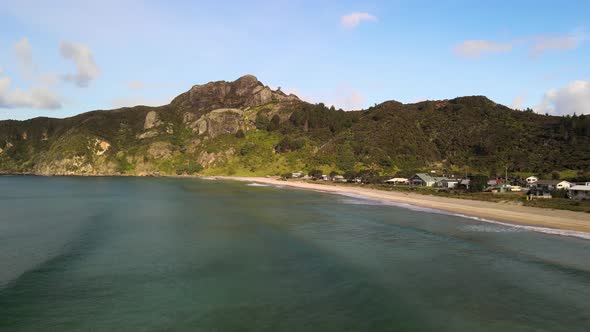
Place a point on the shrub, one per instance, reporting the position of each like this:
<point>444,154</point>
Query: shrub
<point>316,174</point>
<point>289,144</point>
<point>262,121</point>
<point>240,134</point>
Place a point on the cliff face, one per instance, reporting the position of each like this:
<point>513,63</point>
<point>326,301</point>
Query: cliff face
<point>245,127</point>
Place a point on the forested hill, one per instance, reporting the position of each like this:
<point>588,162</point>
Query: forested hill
<point>244,127</point>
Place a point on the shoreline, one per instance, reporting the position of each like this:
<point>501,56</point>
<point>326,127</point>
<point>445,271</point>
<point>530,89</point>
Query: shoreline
<point>560,221</point>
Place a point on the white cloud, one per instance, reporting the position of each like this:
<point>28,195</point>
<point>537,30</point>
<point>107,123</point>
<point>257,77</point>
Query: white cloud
<point>573,98</point>
<point>81,55</point>
<point>477,48</point>
<point>343,96</point>
<point>348,99</point>
<point>542,44</point>
<point>24,55</point>
<point>39,97</point>
<point>135,101</point>
<point>352,20</point>
<point>518,102</point>
<point>536,45</point>
<point>136,85</point>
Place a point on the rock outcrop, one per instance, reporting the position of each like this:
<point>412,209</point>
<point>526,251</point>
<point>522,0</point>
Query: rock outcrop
<point>245,92</point>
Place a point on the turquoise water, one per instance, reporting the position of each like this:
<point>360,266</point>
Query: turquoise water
<point>146,254</point>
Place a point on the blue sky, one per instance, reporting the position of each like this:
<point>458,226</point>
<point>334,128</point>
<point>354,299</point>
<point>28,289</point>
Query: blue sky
<point>62,57</point>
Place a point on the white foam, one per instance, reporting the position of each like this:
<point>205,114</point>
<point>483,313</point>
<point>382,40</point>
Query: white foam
<point>545,230</point>
<point>257,185</point>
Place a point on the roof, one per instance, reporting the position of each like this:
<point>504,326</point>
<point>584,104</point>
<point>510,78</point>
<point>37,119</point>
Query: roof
<point>397,180</point>
<point>425,177</point>
<point>549,182</point>
<point>580,187</point>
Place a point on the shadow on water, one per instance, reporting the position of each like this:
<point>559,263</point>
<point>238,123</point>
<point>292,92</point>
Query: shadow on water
<point>190,255</point>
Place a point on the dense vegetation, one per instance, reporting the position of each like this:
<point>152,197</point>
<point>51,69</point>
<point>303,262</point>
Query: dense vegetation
<point>466,135</point>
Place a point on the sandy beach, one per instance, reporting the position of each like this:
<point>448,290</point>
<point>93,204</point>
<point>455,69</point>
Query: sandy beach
<point>514,214</point>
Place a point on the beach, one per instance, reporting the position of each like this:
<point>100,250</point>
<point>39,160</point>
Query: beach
<point>501,212</point>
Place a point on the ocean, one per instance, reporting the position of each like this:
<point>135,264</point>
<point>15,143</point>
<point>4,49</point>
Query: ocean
<point>164,254</point>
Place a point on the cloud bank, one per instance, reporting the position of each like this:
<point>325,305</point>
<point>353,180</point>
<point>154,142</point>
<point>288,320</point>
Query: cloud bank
<point>477,48</point>
<point>536,45</point>
<point>24,55</point>
<point>573,98</point>
<point>39,97</point>
<point>81,55</point>
<point>353,20</point>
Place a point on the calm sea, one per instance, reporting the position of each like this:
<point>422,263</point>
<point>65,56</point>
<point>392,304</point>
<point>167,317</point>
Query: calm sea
<point>147,254</point>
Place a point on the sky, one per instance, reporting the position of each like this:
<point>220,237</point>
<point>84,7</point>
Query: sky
<point>63,57</point>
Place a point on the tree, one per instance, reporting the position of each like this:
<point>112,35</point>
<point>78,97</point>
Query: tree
<point>477,183</point>
<point>350,175</point>
<point>274,123</point>
<point>240,134</point>
<point>262,121</point>
<point>316,174</point>
<point>333,174</point>
<point>555,175</point>
<point>287,176</point>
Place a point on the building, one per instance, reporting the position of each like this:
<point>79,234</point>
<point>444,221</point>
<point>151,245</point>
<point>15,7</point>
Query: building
<point>398,181</point>
<point>538,192</point>
<point>579,192</point>
<point>531,180</point>
<point>422,179</point>
<point>338,178</point>
<point>448,183</point>
<point>325,177</point>
<point>296,175</point>
<point>563,185</point>
<point>547,184</point>
<point>464,183</point>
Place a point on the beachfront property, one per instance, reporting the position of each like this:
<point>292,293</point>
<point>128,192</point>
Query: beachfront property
<point>538,192</point>
<point>422,179</point>
<point>338,178</point>
<point>397,181</point>
<point>531,180</point>
<point>464,183</point>
<point>297,175</point>
<point>447,183</point>
<point>563,185</point>
<point>579,192</point>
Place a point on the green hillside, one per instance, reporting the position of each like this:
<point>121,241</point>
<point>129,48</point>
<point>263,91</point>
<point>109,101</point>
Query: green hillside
<point>246,128</point>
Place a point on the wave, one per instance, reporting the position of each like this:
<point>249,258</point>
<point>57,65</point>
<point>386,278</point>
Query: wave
<point>360,199</point>
<point>257,185</point>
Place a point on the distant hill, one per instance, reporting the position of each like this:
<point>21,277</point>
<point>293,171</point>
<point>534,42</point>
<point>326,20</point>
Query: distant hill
<point>244,127</point>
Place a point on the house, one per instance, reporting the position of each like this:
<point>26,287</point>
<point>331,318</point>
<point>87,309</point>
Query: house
<point>579,192</point>
<point>448,183</point>
<point>563,185</point>
<point>297,175</point>
<point>397,181</point>
<point>422,179</point>
<point>538,192</point>
<point>338,178</point>
<point>547,184</point>
<point>325,177</point>
<point>464,183</point>
<point>531,180</point>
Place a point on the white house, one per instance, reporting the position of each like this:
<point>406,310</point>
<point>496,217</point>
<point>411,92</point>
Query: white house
<point>338,178</point>
<point>563,185</point>
<point>296,175</point>
<point>531,180</point>
<point>580,192</point>
<point>397,181</point>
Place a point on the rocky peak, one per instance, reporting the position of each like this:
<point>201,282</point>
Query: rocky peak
<point>246,91</point>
